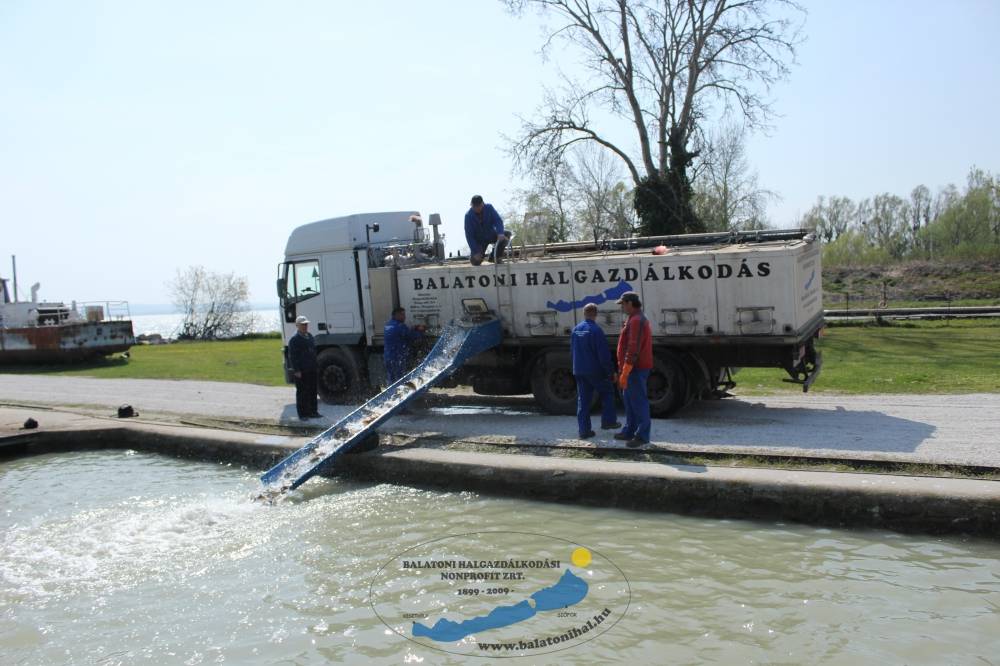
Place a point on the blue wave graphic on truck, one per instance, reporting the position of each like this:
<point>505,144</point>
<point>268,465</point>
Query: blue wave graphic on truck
<point>611,294</point>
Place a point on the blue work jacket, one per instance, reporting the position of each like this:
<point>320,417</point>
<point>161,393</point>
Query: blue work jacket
<point>591,355</point>
<point>398,337</point>
<point>481,230</point>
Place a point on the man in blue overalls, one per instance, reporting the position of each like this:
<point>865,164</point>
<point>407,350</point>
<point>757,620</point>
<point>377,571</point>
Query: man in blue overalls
<point>483,226</point>
<point>593,369</point>
<point>398,337</point>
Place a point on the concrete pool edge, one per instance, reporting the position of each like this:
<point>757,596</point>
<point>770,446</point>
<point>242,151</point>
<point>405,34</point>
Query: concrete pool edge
<point>901,503</point>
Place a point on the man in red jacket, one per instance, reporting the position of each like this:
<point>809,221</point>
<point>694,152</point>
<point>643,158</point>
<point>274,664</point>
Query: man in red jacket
<point>635,357</point>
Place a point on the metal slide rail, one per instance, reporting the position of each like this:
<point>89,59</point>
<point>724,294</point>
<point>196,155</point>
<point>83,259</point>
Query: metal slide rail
<point>938,312</point>
<point>456,344</point>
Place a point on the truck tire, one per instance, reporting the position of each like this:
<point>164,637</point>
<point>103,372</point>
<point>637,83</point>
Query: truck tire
<point>667,385</point>
<point>340,378</point>
<point>554,386</point>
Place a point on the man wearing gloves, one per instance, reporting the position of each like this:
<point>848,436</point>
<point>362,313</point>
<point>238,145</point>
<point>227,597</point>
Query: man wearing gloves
<point>593,370</point>
<point>635,360</point>
<point>398,338</point>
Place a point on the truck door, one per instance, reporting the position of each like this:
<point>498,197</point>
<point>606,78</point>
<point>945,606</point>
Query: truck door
<point>341,296</point>
<point>300,292</point>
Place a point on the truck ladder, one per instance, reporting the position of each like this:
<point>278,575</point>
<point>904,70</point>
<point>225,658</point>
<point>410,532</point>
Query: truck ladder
<point>456,344</point>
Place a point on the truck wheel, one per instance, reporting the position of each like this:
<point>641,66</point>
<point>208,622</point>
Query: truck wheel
<point>340,378</point>
<point>554,387</point>
<point>667,385</point>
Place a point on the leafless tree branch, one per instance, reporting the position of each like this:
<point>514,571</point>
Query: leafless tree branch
<point>661,65</point>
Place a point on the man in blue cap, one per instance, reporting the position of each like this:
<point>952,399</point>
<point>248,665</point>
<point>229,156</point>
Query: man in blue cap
<point>593,369</point>
<point>483,227</point>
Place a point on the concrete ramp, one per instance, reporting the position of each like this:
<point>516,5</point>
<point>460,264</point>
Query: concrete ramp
<point>457,343</point>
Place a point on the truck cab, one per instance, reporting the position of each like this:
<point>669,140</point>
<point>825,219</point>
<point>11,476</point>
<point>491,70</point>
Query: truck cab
<point>327,276</point>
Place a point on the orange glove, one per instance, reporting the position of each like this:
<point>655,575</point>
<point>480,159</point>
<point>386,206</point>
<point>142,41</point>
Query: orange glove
<point>623,376</point>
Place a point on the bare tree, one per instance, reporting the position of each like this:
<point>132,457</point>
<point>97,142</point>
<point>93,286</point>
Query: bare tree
<point>994,212</point>
<point>548,206</point>
<point>815,219</point>
<point>624,219</point>
<point>663,66</point>
<point>530,220</point>
<point>982,201</point>
<point>581,196</point>
<point>556,191</point>
<point>214,305</point>
<point>840,213</point>
<point>597,177</point>
<point>728,196</point>
<point>947,198</point>
<point>920,213</point>
<point>887,225</point>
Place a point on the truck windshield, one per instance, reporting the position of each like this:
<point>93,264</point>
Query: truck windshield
<point>301,281</point>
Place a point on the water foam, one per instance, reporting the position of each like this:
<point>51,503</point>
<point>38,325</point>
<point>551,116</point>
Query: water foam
<point>117,546</point>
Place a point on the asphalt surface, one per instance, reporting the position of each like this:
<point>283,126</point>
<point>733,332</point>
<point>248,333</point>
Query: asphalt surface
<point>952,429</point>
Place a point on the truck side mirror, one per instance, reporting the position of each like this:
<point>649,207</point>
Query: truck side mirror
<point>281,289</point>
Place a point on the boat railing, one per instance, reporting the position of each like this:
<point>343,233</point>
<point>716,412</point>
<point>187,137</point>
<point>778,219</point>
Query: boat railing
<point>95,311</point>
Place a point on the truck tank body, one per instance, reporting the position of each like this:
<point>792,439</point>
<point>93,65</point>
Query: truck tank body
<point>768,292</point>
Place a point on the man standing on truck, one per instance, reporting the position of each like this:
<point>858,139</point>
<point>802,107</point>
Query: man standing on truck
<point>593,370</point>
<point>398,338</point>
<point>302,363</point>
<point>483,226</point>
<point>635,360</point>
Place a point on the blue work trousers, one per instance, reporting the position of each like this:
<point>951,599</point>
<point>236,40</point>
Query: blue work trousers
<point>395,368</point>
<point>637,423</point>
<point>585,387</point>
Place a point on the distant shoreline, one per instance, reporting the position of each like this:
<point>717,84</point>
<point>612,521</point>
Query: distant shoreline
<point>169,325</point>
<point>170,309</point>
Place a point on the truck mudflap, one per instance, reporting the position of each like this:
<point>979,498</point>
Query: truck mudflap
<point>806,370</point>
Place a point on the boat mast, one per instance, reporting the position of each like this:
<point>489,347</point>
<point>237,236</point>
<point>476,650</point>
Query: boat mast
<point>13,265</point>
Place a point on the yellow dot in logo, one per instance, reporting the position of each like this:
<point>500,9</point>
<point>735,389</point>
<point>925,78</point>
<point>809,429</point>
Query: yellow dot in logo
<point>580,557</point>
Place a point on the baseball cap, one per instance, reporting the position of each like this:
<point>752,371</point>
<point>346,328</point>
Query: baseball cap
<point>301,320</point>
<point>630,297</point>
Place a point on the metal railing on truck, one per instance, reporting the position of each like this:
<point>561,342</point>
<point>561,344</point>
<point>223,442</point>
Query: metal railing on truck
<point>643,242</point>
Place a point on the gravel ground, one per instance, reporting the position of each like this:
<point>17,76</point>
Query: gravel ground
<point>957,429</point>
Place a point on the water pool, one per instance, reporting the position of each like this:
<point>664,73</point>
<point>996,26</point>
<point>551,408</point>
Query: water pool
<point>118,557</point>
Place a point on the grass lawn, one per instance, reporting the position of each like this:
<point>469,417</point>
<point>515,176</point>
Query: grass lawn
<point>958,356</point>
<point>251,361</point>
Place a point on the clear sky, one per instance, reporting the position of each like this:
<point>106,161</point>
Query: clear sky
<point>137,138</point>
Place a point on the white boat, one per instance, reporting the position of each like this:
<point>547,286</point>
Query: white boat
<point>39,331</point>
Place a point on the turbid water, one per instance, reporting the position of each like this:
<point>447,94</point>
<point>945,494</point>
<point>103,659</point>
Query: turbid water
<point>119,557</point>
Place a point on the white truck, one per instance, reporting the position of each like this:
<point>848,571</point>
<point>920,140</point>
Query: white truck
<point>715,302</point>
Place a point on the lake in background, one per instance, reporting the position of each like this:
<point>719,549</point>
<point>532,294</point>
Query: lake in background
<point>169,325</point>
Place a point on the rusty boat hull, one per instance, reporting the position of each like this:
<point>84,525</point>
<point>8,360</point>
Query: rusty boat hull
<point>65,342</point>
